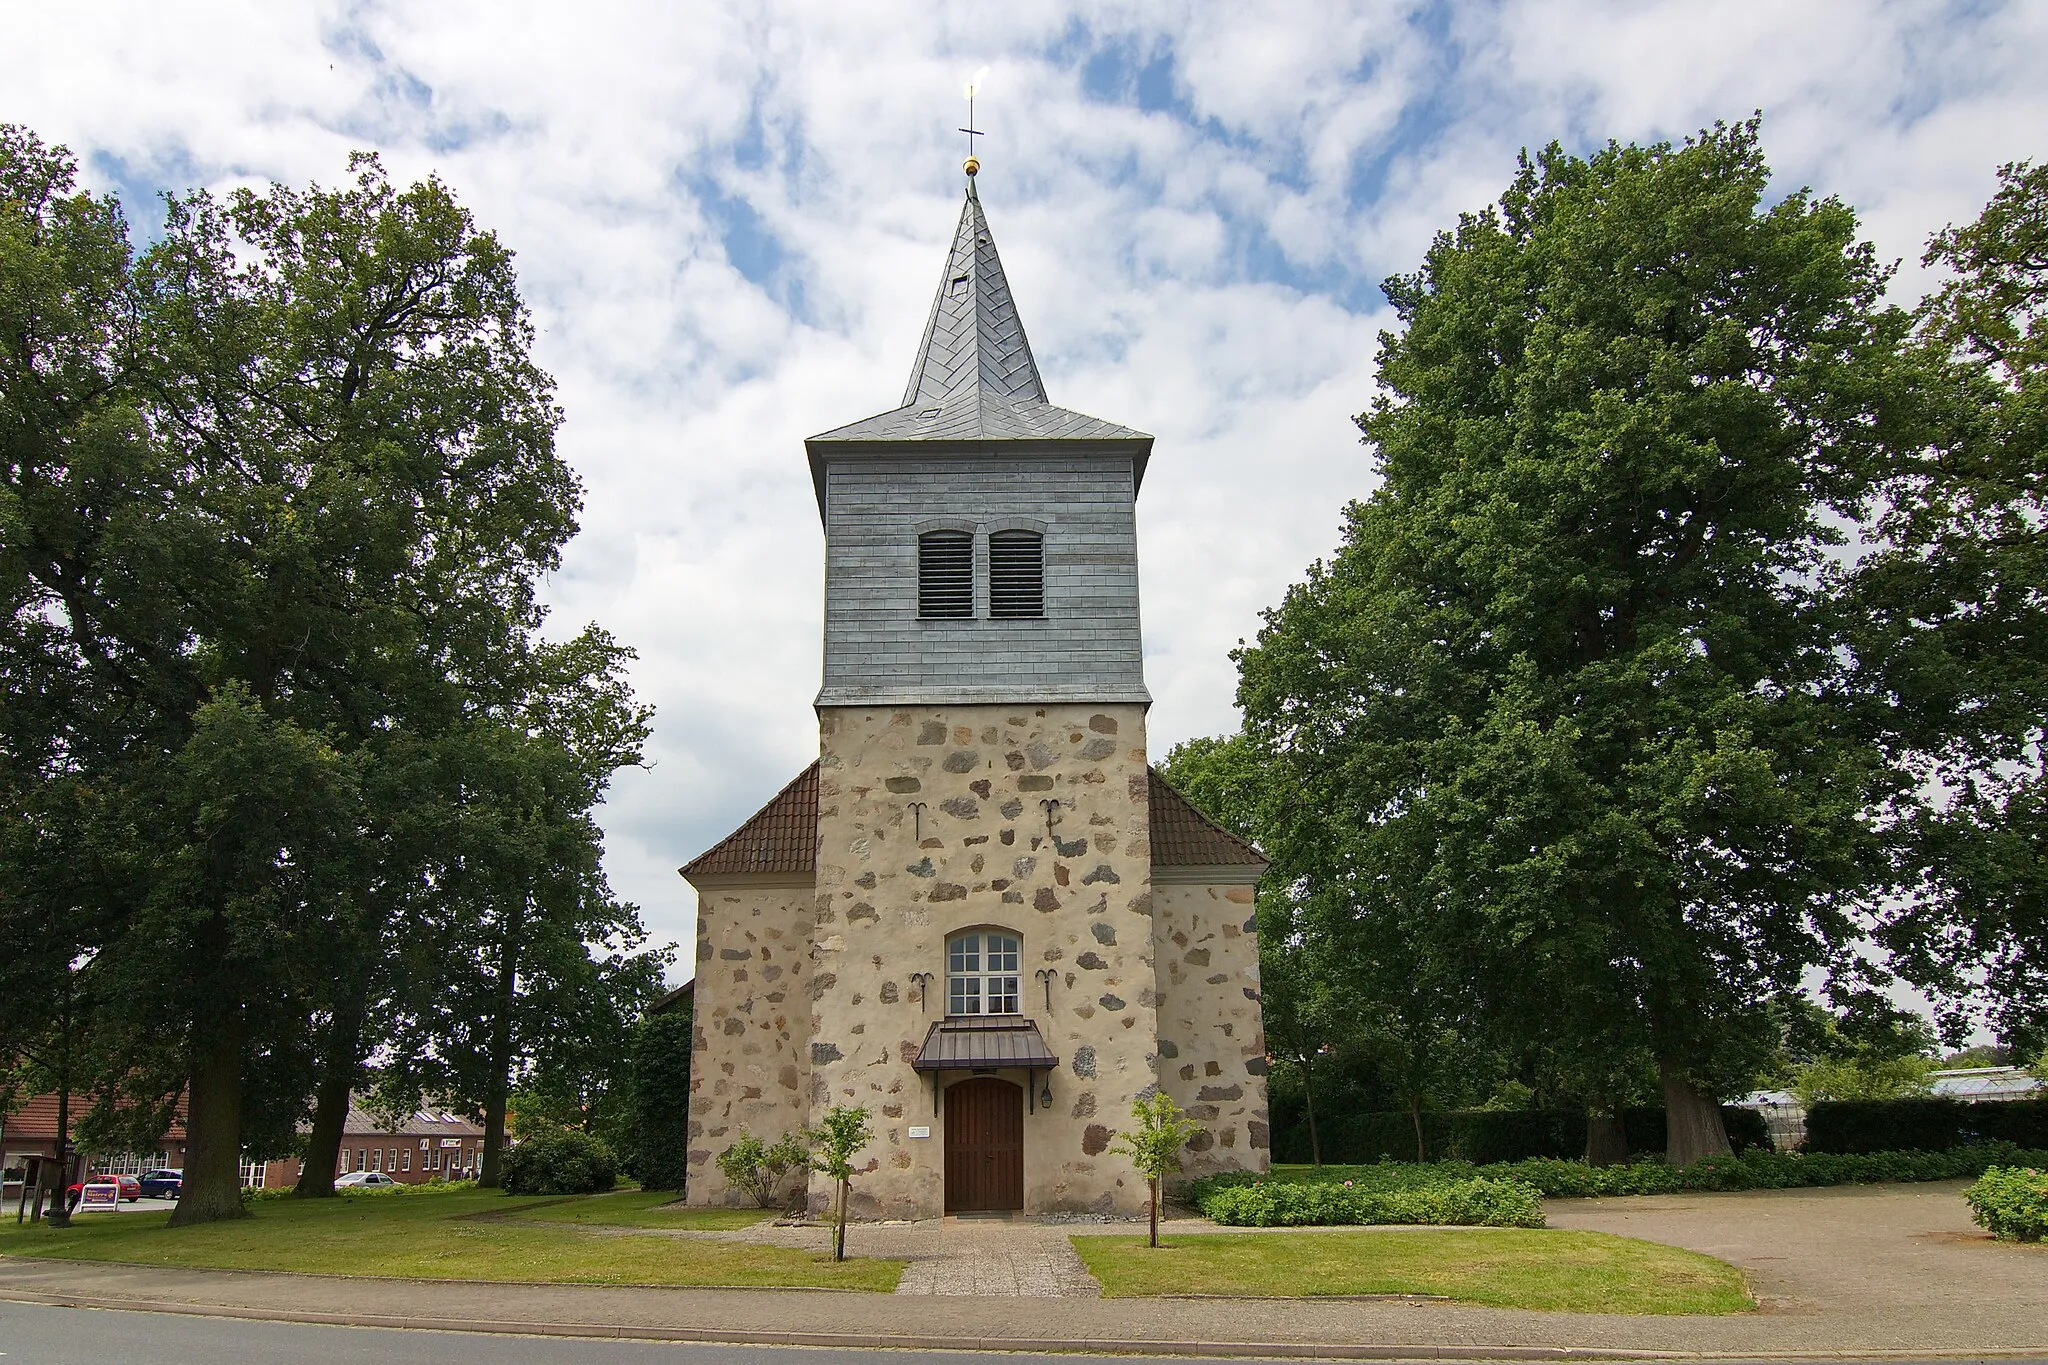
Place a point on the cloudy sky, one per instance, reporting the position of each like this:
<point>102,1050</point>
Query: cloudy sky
<point>730,220</point>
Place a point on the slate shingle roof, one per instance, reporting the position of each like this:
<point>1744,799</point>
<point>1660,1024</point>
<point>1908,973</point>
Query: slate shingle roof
<point>1184,837</point>
<point>781,837</point>
<point>975,378</point>
<point>364,1122</point>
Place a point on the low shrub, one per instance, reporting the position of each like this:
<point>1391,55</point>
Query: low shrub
<point>762,1169</point>
<point>565,1161</point>
<point>1462,1203</point>
<point>2011,1202</point>
<point>1557,1179</point>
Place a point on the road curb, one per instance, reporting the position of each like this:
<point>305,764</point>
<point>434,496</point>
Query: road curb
<point>1266,1350</point>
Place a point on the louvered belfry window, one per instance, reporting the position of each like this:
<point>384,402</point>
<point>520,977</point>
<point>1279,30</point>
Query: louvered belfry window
<point>1016,574</point>
<point>945,574</point>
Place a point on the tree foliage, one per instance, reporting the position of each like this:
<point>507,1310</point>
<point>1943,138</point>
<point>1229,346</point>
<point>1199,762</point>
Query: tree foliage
<point>1954,640</point>
<point>1565,718</point>
<point>275,499</point>
<point>661,1098</point>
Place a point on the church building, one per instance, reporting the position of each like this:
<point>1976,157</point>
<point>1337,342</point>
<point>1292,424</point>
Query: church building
<point>981,913</point>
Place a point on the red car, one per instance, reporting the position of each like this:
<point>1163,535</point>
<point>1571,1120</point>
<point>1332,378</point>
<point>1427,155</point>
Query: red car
<point>131,1188</point>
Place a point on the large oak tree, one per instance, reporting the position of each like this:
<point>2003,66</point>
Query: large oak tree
<point>1570,698</point>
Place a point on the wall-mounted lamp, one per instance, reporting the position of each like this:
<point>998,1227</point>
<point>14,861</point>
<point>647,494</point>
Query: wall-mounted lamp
<point>1045,1095</point>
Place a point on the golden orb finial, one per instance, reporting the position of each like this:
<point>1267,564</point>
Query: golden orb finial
<point>972,165</point>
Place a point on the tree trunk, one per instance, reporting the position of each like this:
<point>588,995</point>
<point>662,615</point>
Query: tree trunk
<point>338,1072</point>
<point>1693,1128</point>
<point>1308,1091</point>
<point>60,1211</point>
<point>839,1226</point>
<point>497,1092</point>
<point>1154,1183</point>
<point>1606,1139</point>
<point>212,1188</point>
<point>1415,1117</point>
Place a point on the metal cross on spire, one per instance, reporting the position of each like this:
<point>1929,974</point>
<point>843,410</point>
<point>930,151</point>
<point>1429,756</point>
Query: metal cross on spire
<point>973,162</point>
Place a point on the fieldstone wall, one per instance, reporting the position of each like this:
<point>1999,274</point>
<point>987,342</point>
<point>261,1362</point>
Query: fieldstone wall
<point>934,820</point>
<point>750,1060</point>
<point>1212,1039</point>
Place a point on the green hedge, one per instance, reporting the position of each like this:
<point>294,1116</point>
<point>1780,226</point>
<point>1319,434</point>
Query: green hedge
<point>1923,1125</point>
<point>1568,1179</point>
<point>1487,1136</point>
<point>1459,1203</point>
<point>2011,1203</point>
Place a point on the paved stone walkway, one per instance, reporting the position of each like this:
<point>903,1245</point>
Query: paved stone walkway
<point>1026,1261</point>
<point>1013,1257</point>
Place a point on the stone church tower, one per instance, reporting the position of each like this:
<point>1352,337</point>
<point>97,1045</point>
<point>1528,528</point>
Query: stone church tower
<point>980,914</point>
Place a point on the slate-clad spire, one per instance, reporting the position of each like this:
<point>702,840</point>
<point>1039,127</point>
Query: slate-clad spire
<point>975,379</point>
<point>973,339</point>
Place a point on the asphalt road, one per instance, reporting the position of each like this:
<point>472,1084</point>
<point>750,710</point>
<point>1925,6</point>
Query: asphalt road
<point>32,1334</point>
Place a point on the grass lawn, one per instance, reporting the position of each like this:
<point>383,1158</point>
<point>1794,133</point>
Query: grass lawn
<point>1568,1272</point>
<point>635,1209</point>
<point>439,1237</point>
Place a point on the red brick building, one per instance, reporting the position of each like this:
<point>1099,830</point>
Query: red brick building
<point>31,1131</point>
<point>419,1147</point>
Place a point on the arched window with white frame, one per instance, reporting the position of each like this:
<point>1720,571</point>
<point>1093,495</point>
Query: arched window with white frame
<point>981,972</point>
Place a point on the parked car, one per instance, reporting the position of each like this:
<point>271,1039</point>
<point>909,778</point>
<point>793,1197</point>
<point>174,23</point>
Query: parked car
<point>130,1187</point>
<point>364,1180</point>
<point>164,1184</point>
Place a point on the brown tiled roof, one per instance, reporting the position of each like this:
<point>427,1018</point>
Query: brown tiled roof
<point>973,1041</point>
<point>782,836</point>
<point>35,1120</point>
<point>1184,837</point>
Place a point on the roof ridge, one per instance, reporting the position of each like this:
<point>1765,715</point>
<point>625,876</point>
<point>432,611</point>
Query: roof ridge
<point>973,338</point>
<point>1172,847</point>
<point>975,378</point>
<point>780,837</point>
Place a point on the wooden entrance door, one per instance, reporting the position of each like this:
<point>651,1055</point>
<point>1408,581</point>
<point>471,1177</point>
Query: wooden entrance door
<point>984,1146</point>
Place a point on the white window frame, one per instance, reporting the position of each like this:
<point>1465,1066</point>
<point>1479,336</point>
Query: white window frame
<point>983,967</point>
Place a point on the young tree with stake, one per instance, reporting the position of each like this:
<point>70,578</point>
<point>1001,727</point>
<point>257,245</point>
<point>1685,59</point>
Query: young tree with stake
<point>838,1140</point>
<point>1154,1146</point>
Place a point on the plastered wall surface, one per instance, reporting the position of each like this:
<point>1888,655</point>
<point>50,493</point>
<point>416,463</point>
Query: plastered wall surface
<point>981,849</point>
<point>750,1062</point>
<point>1212,1043</point>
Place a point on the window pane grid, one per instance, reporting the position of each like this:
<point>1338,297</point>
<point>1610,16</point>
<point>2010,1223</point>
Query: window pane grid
<point>982,974</point>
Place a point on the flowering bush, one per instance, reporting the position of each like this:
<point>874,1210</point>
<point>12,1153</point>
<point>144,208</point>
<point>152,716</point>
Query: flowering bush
<point>2012,1202</point>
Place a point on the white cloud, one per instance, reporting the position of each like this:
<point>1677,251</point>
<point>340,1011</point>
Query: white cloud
<point>1206,270</point>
